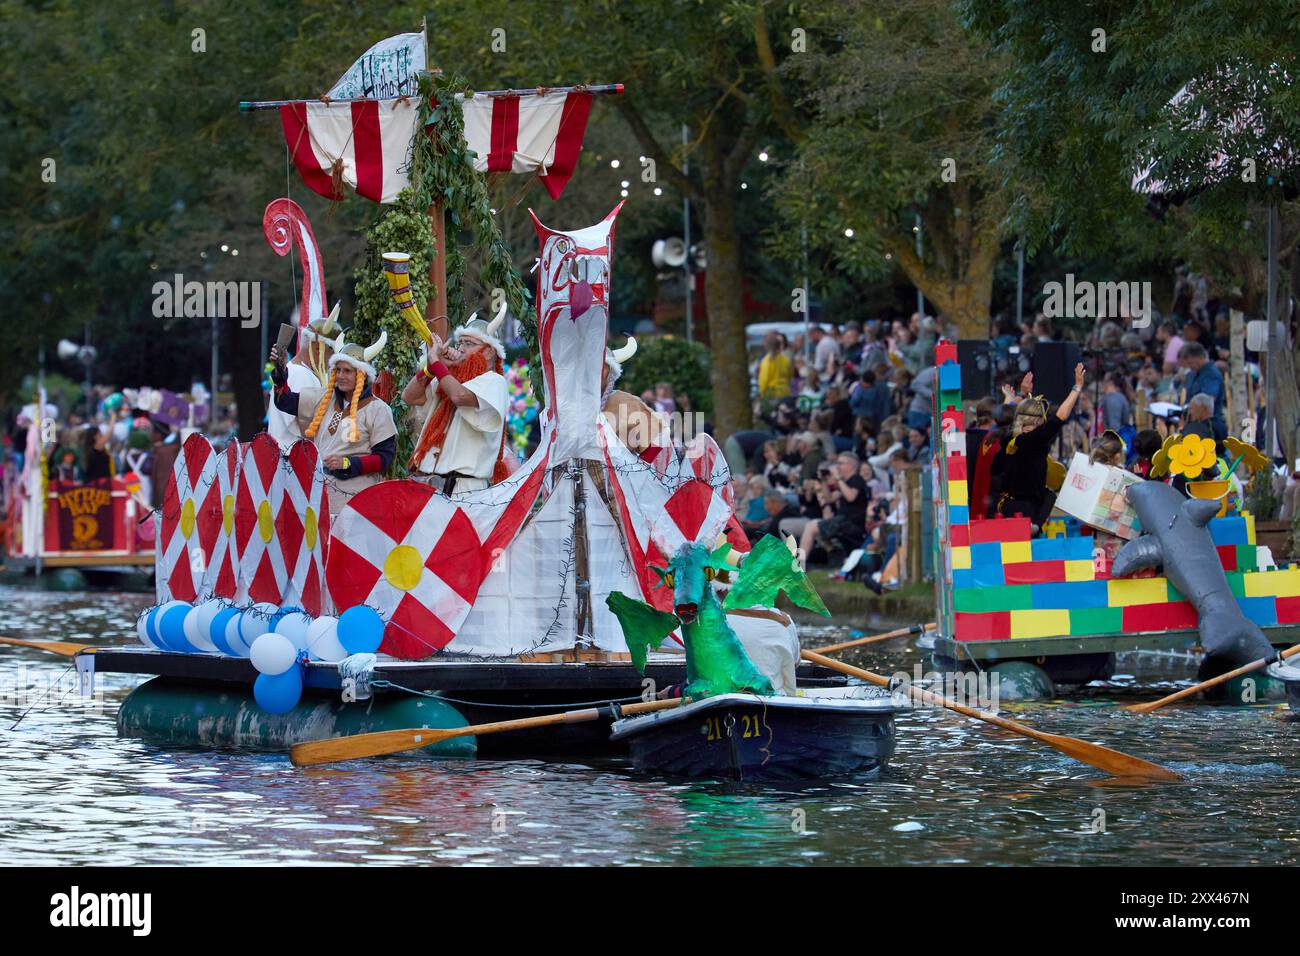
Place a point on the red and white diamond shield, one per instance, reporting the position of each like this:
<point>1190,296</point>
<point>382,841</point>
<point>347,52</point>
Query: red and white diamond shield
<point>411,554</point>
<point>263,575</point>
<point>187,533</point>
<point>302,528</point>
<point>220,576</point>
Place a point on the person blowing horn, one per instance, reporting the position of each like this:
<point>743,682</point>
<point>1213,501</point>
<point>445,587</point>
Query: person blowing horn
<point>462,443</point>
<point>352,429</point>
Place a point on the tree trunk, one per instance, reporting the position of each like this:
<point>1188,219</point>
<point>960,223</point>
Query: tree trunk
<point>729,374</point>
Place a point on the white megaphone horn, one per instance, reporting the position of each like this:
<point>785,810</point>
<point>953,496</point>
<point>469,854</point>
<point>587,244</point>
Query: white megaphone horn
<point>668,253</point>
<point>68,349</point>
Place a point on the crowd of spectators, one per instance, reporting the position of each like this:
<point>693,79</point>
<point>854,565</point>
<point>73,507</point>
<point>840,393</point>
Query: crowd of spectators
<point>842,416</point>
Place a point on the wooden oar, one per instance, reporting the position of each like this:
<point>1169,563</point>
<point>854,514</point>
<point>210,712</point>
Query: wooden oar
<point>1206,684</point>
<point>66,648</point>
<point>914,629</point>
<point>316,752</point>
<point>1103,758</point>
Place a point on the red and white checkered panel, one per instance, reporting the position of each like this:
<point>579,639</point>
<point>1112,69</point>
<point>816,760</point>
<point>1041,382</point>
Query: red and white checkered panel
<point>263,567</point>
<point>302,528</point>
<point>411,554</point>
<point>187,531</point>
<point>220,575</point>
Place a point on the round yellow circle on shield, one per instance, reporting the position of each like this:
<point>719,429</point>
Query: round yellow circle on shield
<point>265,522</point>
<point>309,527</point>
<point>187,518</point>
<point>403,567</point>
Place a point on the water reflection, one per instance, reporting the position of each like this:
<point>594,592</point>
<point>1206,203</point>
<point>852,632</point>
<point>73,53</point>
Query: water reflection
<point>71,791</point>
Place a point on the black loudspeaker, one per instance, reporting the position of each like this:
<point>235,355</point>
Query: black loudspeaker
<point>1054,364</point>
<point>976,360</point>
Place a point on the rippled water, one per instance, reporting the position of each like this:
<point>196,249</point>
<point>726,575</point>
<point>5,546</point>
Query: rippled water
<point>956,792</point>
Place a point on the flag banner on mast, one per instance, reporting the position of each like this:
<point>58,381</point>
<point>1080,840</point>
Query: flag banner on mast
<point>523,134</point>
<point>387,69</point>
<point>368,143</point>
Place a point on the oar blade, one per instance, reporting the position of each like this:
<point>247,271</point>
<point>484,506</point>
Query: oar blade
<point>317,752</point>
<point>1112,761</point>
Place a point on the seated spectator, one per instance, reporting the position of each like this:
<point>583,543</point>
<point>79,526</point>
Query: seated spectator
<point>843,526</point>
<point>918,445</point>
<point>777,509</point>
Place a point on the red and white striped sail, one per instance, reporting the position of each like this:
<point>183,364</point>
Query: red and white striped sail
<point>367,142</point>
<point>263,567</point>
<point>187,533</point>
<point>525,134</point>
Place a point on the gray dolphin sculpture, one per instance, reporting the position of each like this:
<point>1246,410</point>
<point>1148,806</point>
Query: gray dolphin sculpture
<point>1177,538</point>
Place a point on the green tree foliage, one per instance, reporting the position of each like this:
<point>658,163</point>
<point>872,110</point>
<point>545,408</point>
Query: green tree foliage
<point>684,365</point>
<point>903,123</point>
<point>1204,96</point>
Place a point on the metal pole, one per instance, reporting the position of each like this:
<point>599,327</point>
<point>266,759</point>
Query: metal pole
<point>1020,281</point>
<point>920,296</point>
<point>90,396</point>
<point>686,231</point>
<point>807,306</point>
<point>1275,344</point>
<point>608,89</point>
<point>212,402</point>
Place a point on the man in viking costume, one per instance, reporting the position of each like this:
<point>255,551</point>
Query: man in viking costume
<point>638,426</point>
<point>352,429</point>
<point>308,369</point>
<point>462,443</point>
<point>1022,462</point>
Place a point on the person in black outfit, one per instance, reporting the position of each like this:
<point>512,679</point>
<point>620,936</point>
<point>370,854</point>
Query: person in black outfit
<point>95,454</point>
<point>1022,463</point>
<point>847,527</point>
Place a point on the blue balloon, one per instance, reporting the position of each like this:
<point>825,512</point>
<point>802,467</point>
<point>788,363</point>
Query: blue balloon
<point>280,693</point>
<point>218,630</point>
<point>151,627</point>
<point>171,628</point>
<point>361,630</point>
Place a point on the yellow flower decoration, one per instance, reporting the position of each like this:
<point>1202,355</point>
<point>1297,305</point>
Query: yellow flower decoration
<point>1252,459</point>
<point>1160,460</point>
<point>1191,456</point>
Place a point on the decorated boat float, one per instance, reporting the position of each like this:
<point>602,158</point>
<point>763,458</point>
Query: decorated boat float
<point>589,576</point>
<point>1057,607</point>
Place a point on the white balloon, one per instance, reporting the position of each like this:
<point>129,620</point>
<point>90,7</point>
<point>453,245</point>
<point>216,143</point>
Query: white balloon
<point>254,622</point>
<point>294,626</point>
<point>323,640</point>
<point>272,654</point>
<point>237,647</point>
<point>201,633</point>
<point>196,630</point>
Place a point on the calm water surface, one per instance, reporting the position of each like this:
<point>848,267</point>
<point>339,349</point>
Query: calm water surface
<point>956,793</point>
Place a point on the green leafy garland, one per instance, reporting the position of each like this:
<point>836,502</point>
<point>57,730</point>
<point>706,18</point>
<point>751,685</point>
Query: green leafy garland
<point>442,168</point>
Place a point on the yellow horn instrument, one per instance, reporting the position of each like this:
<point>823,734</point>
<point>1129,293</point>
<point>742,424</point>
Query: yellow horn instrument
<point>397,270</point>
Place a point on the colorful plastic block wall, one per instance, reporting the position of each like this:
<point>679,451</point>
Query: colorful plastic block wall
<point>1005,584</point>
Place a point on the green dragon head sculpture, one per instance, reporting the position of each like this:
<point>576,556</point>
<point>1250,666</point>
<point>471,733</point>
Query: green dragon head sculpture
<point>716,662</point>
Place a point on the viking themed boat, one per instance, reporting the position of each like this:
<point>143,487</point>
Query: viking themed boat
<point>487,605</point>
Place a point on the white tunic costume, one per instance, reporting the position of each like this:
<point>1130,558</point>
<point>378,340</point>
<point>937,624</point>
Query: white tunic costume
<point>473,442</point>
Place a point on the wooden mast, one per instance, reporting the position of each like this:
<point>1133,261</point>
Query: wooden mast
<point>435,310</point>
